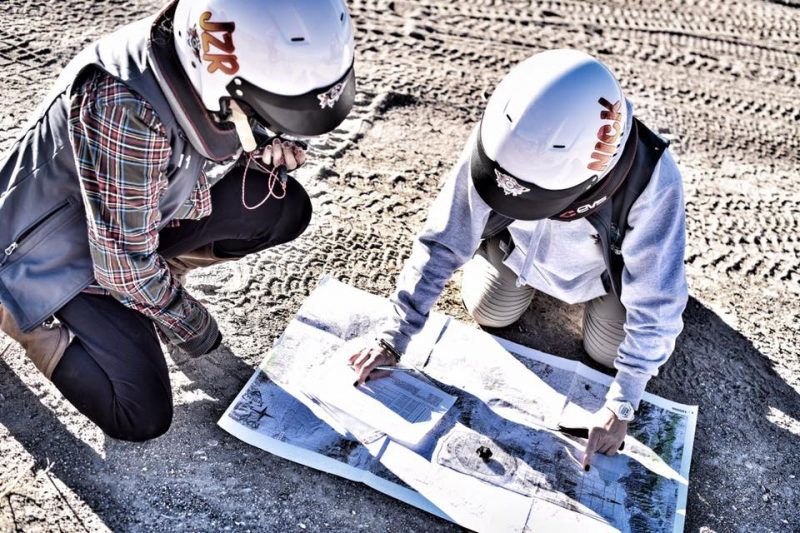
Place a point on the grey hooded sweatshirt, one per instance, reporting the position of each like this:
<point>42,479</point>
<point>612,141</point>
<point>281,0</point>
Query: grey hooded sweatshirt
<point>562,259</point>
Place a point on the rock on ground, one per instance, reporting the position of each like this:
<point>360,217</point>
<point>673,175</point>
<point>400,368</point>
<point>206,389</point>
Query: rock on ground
<point>718,77</point>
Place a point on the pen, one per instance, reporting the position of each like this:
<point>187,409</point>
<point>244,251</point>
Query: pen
<point>395,368</point>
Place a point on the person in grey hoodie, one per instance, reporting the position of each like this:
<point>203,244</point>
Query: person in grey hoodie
<point>558,189</point>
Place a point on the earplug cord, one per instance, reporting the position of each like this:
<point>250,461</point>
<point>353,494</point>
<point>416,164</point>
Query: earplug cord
<point>275,176</point>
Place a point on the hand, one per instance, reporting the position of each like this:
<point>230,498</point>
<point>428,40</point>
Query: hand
<point>365,361</point>
<point>283,152</point>
<point>605,436</point>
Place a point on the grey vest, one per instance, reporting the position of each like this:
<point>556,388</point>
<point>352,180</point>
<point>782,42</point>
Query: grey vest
<point>44,251</point>
<point>611,220</point>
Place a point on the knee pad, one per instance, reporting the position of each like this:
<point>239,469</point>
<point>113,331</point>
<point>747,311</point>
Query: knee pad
<point>603,329</point>
<point>489,289</point>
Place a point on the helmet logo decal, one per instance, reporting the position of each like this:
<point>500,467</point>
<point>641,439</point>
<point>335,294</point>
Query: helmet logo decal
<point>332,95</point>
<point>583,209</point>
<point>222,58</point>
<point>509,184</point>
<point>608,135</point>
<point>193,40</point>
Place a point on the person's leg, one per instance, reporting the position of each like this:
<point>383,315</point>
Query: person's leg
<point>489,288</point>
<point>114,371</point>
<point>233,231</point>
<point>603,328</point>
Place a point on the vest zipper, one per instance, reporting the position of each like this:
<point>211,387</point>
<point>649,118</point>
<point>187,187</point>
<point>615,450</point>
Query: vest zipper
<point>9,251</point>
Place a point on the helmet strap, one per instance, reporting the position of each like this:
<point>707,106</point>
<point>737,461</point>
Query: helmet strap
<point>243,129</point>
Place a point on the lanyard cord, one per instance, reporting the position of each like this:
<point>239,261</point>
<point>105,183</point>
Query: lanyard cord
<point>275,177</point>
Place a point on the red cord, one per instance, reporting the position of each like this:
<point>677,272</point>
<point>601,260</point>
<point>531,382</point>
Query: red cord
<point>273,180</point>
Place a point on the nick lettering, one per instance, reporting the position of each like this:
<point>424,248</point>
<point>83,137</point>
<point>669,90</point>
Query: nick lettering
<point>608,135</point>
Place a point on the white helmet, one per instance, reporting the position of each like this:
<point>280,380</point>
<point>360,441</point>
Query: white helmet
<point>290,62</point>
<point>553,128</point>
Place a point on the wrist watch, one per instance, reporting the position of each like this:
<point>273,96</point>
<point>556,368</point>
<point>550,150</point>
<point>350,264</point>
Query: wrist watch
<point>390,350</point>
<point>622,410</point>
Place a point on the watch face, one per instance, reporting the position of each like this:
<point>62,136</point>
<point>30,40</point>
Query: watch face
<point>625,412</point>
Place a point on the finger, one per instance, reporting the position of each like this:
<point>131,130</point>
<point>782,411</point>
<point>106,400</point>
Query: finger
<point>277,153</point>
<point>591,447</point>
<point>365,371</point>
<point>362,360</point>
<point>288,157</point>
<point>355,356</point>
<point>378,374</point>
<point>266,157</point>
<point>300,156</point>
<point>605,447</point>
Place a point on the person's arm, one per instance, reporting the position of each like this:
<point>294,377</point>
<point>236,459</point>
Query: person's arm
<point>451,235</point>
<point>654,288</point>
<point>122,153</point>
<point>654,293</point>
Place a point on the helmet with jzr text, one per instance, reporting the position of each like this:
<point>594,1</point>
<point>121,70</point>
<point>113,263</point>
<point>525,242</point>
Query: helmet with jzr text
<point>554,128</point>
<point>288,63</point>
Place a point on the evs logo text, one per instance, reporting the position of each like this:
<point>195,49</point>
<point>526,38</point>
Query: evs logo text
<point>572,213</point>
<point>608,135</point>
<point>223,57</point>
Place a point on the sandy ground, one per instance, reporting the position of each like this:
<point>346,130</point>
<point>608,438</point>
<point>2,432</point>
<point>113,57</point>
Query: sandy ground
<point>718,77</point>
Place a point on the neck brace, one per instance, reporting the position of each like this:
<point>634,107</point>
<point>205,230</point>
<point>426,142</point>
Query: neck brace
<point>214,140</point>
<point>595,197</point>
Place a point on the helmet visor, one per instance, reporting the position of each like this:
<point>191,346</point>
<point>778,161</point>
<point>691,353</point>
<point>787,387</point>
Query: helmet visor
<point>516,198</point>
<point>314,113</point>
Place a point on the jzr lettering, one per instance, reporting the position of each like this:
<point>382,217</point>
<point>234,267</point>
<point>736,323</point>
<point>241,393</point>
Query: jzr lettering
<point>584,208</point>
<point>608,135</point>
<point>227,62</point>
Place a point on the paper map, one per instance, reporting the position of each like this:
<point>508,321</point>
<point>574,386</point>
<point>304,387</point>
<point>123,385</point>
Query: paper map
<point>402,405</point>
<point>509,399</point>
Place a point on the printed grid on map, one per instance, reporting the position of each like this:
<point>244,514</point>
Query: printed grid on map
<point>410,402</point>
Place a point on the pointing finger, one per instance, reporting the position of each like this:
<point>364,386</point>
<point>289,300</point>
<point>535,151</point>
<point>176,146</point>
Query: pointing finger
<point>591,447</point>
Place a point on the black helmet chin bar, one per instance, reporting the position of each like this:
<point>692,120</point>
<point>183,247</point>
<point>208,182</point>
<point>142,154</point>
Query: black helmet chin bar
<point>314,113</point>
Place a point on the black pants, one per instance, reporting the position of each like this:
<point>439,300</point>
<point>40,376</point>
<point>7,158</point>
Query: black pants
<point>114,371</point>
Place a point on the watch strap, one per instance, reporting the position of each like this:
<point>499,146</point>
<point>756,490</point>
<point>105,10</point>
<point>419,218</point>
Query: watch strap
<point>390,349</point>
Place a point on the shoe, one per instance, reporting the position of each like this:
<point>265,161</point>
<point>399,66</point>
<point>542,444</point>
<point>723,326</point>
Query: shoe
<point>45,345</point>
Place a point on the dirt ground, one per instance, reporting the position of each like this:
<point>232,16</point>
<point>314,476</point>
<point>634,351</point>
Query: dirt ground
<point>717,77</point>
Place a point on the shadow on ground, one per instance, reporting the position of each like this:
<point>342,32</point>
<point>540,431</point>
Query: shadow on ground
<point>197,477</point>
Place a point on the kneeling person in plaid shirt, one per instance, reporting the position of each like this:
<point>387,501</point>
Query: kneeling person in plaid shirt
<point>156,153</point>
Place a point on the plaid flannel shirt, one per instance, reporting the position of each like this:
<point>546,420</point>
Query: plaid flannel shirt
<point>122,152</point>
